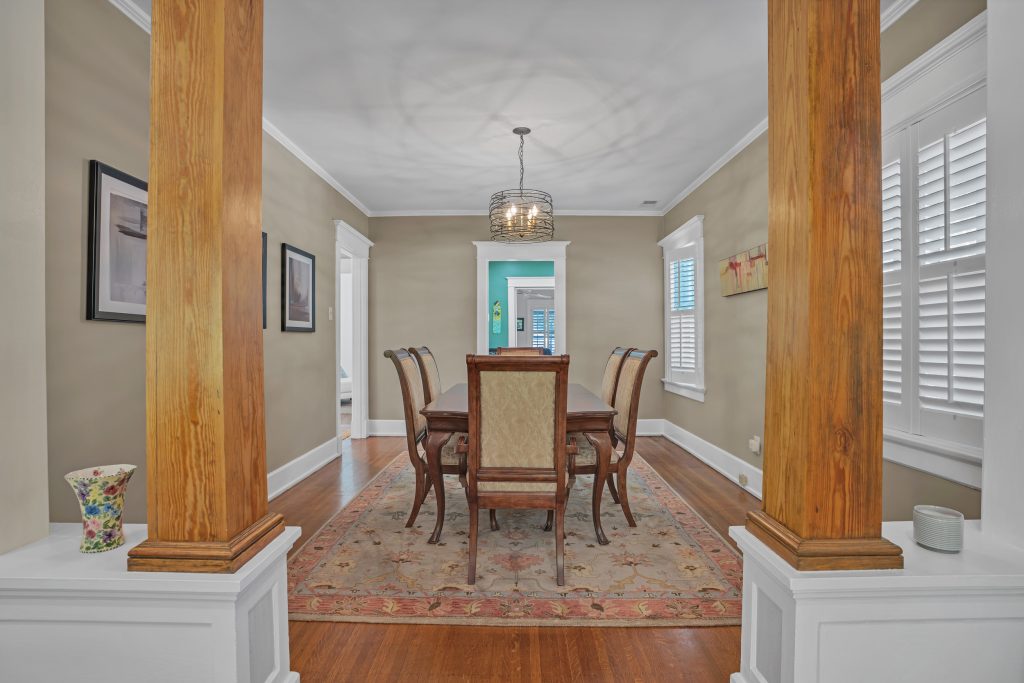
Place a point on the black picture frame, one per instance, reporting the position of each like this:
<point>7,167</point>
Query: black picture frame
<point>520,324</point>
<point>289,324</point>
<point>95,309</point>
<point>264,280</point>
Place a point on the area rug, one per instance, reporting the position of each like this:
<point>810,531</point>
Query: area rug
<point>672,569</point>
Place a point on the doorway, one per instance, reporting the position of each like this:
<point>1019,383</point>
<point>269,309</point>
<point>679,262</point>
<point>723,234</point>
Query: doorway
<point>531,312</point>
<point>351,405</point>
<point>494,322</point>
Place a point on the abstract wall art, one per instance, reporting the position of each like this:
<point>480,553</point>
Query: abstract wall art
<point>745,271</point>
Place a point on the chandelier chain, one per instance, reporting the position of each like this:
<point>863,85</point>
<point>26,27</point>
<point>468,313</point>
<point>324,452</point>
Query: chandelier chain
<point>522,143</point>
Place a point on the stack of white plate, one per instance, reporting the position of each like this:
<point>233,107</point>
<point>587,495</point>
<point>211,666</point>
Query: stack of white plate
<point>939,528</point>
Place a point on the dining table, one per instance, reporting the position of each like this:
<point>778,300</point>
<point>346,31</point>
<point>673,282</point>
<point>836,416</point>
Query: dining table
<point>448,414</point>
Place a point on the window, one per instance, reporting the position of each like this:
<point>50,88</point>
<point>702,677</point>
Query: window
<point>684,310</point>
<point>542,329</point>
<point>933,270</point>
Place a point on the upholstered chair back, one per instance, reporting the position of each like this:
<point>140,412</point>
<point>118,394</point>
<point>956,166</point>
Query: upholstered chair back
<point>412,395</point>
<point>517,413</point>
<point>429,372</point>
<point>520,351</point>
<point>611,374</point>
<point>627,392</point>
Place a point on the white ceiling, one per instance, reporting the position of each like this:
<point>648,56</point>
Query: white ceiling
<point>409,104</point>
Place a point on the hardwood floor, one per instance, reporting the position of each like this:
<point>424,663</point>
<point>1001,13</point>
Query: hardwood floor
<point>332,651</point>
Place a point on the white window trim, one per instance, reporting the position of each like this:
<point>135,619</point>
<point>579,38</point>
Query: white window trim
<point>690,232</point>
<point>948,71</point>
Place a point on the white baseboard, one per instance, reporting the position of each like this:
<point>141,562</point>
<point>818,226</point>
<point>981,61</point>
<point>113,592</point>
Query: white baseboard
<point>719,459</point>
<point>385,428</point>
<point>654,427</point>
<point>287,476</point>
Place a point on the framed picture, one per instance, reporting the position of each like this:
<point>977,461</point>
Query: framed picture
<point>264,280</point>
<point>744,272</point>
<point>298,290</point>
<point>520,324</point>
<point>118,232</point>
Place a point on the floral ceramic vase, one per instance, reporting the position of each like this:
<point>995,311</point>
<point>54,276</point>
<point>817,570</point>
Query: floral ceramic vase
<point>100,492</point>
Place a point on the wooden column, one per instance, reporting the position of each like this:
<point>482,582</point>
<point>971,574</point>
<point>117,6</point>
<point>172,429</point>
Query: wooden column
<point>207,482</point>
<point>823,409</point>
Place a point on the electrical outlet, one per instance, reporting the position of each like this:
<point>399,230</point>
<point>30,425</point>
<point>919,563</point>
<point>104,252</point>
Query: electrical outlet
<point>755,445</point>
<point>743,480</point>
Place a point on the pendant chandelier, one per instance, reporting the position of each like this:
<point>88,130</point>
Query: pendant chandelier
<point>521,215</point>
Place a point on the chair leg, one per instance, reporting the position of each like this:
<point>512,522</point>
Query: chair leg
<point>422,482</point>
<point>551,520</point>
<point>474,523</point>
<point>611,488</point>
<point>426,489</point>
<point>624,498</point>
<point>560,545</point>
<point>494,521</point>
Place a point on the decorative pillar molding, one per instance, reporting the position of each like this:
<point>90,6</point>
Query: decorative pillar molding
<point>206,446</point>
<point>823,407</point>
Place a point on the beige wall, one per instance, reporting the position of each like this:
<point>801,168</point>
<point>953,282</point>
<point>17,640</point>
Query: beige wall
<point>23,487</point>
<point>734,202</point>
<point>97,85</point>
<point>423,291</point>
<point>298,208</point>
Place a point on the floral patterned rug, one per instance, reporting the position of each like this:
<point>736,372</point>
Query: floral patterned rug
<point>364,565</point>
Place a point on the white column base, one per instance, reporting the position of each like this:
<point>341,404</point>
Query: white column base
<point>68,616</point>
<point>941,618</point>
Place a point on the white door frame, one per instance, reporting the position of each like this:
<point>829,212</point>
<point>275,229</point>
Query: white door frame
<point>350,243</point>
<point>515,283</point>
<point>499,251</point>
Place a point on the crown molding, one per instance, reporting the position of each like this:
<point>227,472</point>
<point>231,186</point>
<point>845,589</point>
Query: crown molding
<point>141,19</point>
<point>889,17</point>
<point>286,142</point>
<point>895,11</point>
<point>717,166</point>
<point>952,45</point>
<point>957,41</point>
<point>135,13</point>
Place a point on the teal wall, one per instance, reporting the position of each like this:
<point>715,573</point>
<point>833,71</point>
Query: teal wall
<point>497,288</point>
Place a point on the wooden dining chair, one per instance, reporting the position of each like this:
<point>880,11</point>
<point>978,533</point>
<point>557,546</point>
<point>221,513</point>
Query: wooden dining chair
<point>627,403</point>
<point>520,351</point>
<point>517,442</point>
<point>429,372</point>
<point>413,402</point>
<point>609,383</point>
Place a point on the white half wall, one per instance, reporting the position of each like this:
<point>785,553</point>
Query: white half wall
<point>1003,465</point>
<point>23,439</point>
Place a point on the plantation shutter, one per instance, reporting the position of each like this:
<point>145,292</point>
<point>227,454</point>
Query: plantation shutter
<point>892,283</point>
<point>683,314</point>
<point>951,206</point>
<point>542,329</point>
